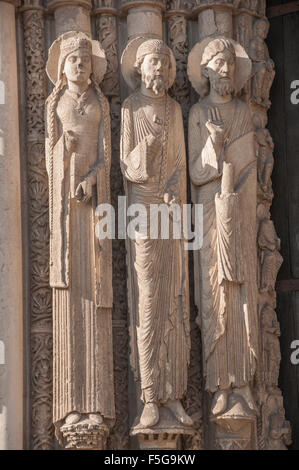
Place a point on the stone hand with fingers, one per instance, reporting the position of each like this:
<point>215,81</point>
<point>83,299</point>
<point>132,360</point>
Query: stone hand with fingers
<point>215,126</point>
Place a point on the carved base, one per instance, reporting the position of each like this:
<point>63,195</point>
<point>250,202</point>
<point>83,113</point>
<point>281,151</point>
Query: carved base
<point>163,436</point>
<point>85,435</point>
<point>236,429</point>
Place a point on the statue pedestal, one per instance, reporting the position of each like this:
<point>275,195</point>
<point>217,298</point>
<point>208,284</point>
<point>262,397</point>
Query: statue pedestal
<point>236,429</point>
<point>85,435</point>
<point>163,436</point>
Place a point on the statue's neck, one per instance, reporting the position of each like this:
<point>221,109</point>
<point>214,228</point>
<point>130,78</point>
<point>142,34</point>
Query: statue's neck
<point>77,87</point>
<point>216,98</point>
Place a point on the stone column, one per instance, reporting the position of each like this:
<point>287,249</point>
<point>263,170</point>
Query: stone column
<point>144,17</point>
<point>106,32</point>
<point>42,430</point>
<point>71,15</point>
<point>11,308</point>
<point>215,17</point>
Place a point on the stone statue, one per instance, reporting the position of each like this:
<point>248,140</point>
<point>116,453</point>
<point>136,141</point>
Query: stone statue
<point>265,159</point>
<point>222,163</point>
<point>263,66</point>
<point>270,347</point>
<point>270,258</point>
<point>78,163</point>
<point>154,169</point>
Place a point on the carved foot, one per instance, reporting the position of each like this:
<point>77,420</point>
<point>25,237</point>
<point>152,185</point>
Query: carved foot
<point>177,409</point>
<point>245,392</point>
<point>95,418</point>
<point>73,418</point>
<point>150,415</point>
<point>219,404</point>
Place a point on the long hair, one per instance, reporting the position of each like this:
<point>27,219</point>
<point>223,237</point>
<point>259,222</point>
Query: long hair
<point>53,100</point>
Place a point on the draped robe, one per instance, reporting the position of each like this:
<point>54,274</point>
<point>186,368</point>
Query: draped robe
<point>226,265</point>
<point>157,268</point>
<point>80,264</point>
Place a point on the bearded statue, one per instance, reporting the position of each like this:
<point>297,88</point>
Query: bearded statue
<point>153,164</point>
<point>222,164</point>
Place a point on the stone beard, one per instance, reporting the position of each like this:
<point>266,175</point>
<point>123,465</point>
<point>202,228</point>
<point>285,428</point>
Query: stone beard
<point>153,163</point>
<point>78,163</point>
<point>222,166</point>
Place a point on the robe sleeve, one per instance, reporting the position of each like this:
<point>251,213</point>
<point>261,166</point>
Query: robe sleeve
<point>203,161</point>
<point>229,250</point>
<point>132,159</point>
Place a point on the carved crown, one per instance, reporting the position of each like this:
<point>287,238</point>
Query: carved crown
<point>72,44</point>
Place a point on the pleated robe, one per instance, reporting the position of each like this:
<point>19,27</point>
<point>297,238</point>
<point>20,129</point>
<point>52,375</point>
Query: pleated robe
<point>157,268</point>
<point>226,266</point>
<point>80,267</point>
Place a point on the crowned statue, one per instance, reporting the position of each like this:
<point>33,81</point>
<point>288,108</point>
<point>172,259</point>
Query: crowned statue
<point>153,164</point>
<point>78,158</point>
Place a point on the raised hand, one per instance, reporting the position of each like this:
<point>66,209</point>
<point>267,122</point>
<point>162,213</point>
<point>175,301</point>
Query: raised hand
<point>84,191</point>
<point>215,125</point>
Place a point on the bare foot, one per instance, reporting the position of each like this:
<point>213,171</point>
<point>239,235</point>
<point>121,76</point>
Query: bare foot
<point>219,404</point>
<point>73,418</point>
<point>95,418</point>
<point>177,409</point>
<point>150,415</point>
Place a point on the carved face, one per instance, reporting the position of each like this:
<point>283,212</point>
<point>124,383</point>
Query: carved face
<point>77,67</point>
<point>221,72</point>
<point>155,71</point>
<point>261,29</point>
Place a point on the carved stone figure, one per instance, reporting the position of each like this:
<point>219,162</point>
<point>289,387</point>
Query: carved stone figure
<point>270,258</point>
<point>222,166</point>
<point>78,163</point>
<point>154,169</point>
<point>265,159</point>
<point>263,66</point>
<point>271,347</point>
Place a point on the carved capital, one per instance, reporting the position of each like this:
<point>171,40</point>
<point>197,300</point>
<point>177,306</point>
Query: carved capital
<point>31,5</point>
<point>15,3</point>
<point>85,436</point>
<point>63,3</point>
<point>129,4</point>
<point>178,8</point>
<point>200,5</point>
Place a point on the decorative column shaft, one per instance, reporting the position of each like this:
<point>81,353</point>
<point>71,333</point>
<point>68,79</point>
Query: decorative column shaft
<point>11,308</point>
<point>40,293</point>
<point>177,13</point>
<point>106,27</point>
<point>144,17</point>
<point>214,17</point>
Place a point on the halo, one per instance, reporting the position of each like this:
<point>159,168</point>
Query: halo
<point>98,58</point>
<point>128,60</point>
<point>243,64</point>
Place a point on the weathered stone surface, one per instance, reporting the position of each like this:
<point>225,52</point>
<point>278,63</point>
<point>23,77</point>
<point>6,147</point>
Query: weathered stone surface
<point>78,156</point>
<point>154,169</point>
<point>11,287</point>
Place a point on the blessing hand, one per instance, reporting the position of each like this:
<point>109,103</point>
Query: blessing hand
<point>215,126</point>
